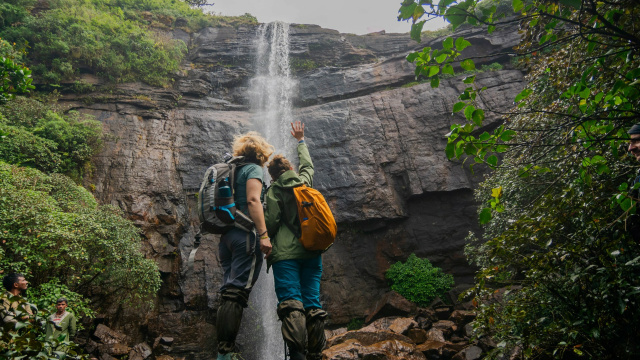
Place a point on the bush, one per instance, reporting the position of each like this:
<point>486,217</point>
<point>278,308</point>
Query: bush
<point>53,229</point>
<point>418,280</point>
<point>41,136</point>
<point>121,40</point>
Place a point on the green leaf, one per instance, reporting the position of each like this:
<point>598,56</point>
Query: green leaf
<point>468,65</point>
<point>447,43</point>
<point>412,57</point>
<point>433,70</point>
<point>441,58</point>
<point>478,116</point>
<point>523,95</point>
<point>485,136</point>
<point>462,44</point>
<point>517,5</point>
<point>468,112</point>
<point>507,135</point>
<point>458,106</point>
<point>485,216</point>
<point>435,82</point>
<point>447,69</point>
<point>585,93</point>
<point>492,161</point>
<point>455,16</point>
<point>469,79</point>
<point>416,30</point>
<point>576,4</point>
<point>406,11</point>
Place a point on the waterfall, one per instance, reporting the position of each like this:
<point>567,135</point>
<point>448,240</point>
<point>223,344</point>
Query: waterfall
<point>270,91</point>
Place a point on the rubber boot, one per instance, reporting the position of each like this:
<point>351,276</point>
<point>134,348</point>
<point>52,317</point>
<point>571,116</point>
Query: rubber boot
<point>228,320</point>
<point>294,331</point>
<point>315,333</point>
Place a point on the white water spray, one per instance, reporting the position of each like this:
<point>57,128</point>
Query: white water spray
<point>271,91</point>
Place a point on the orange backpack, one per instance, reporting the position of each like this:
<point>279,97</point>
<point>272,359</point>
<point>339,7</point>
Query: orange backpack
<point>318,227</point>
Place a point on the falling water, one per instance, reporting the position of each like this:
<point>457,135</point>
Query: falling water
<point>270,91</point>
<point>272,88</point>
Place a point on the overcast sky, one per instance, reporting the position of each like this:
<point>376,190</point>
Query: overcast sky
<point>347,16</point>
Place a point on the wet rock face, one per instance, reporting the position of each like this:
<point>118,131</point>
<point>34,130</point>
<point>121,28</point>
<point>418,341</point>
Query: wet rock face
<point>378,150</point>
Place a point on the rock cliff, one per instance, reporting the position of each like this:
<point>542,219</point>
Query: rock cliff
<point>378,148</point>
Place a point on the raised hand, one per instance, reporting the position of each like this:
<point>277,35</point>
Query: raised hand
<point>297,130</point>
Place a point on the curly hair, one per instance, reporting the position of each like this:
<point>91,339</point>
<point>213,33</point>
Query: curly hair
<point>253,147</point>
<point>278,165</point>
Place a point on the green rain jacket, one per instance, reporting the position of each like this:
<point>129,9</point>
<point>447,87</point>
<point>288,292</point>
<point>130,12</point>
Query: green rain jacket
<point>281,214</point>
<point>66,326</point>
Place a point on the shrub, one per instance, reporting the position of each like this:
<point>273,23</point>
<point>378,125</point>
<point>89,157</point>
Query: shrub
<point>121,40</point>
<point>418,280</point>
<point>53,229</point>
<point>43,137</point>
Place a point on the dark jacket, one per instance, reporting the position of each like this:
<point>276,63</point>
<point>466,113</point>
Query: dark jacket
<point>281,214</point>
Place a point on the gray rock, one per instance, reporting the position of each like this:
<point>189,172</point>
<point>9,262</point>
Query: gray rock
<point>469,353</point>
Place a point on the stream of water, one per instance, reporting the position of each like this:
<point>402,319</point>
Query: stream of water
<point>271,91</point>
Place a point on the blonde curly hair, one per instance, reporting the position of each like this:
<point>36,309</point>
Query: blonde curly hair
<point>253,147</point>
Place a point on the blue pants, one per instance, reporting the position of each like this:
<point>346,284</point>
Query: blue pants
<point>241,270</point>
<point>299,279</point>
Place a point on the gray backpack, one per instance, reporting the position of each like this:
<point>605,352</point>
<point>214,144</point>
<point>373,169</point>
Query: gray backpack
<point>217,207</point>
<point>216,204</point>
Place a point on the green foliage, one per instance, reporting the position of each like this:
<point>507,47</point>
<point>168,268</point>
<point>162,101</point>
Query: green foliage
<point>559,209</point>
<point>121,40</point>
<point>355,324</point>
<point>302,64</point>
<point>26,339</point>
<point>418,280</point>
<point>43,137</point>
<point>52,228</point>
<point>14,78</point>
<point>45,297</point>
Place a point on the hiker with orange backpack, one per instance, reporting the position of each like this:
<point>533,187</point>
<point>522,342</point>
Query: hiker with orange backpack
<point>295,212</point>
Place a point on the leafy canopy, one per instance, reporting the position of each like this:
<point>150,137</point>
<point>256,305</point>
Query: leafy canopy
<point>560,205</point>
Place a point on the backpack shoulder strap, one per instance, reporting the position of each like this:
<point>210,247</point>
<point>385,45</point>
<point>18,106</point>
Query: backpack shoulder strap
<point>296,232</point>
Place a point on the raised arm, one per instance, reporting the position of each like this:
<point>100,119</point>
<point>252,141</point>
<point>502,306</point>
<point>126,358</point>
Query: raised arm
<point>306,165</point>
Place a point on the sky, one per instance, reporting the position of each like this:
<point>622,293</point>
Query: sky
<point>347,16</point>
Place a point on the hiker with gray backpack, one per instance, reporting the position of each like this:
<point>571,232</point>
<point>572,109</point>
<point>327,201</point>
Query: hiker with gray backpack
<point>301,227</point>
<point>230,203</point>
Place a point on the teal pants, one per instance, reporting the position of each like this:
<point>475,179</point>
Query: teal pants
<point>299,279</point>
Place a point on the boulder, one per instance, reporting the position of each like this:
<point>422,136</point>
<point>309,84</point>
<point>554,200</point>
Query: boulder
<point>432,349</point>
<point>328,334</point>
<point>140,352</point>
<point>447,327</point>
<point>417,335</point>
<point>105,335</point>
<point>380,324</point>
<point>402,325</point>
<point>443,313</point>
<point>382,350</point>
<point>115,349</point>
<point>391,304</point>
<point>469,353</point>
<point>435,335</point>
<point>366,338</point>
<point>462,317</point>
